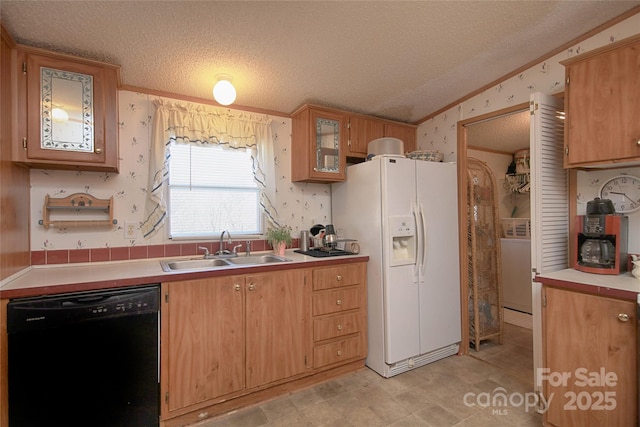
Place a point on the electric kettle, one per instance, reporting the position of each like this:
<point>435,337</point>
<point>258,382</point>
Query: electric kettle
<point>330,238</point>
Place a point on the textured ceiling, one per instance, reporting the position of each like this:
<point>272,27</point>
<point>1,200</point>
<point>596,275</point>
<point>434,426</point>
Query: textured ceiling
<point>507,134</point>
<point>393,59</point>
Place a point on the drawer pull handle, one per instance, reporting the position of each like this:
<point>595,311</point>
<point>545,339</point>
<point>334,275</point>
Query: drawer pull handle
<point>236,287</point>
<point>339,327</point>
<point>339,352</point>
<point>339,302</point>
<point>623,317</point>
<point>252,287</point>
<point>339,277</point>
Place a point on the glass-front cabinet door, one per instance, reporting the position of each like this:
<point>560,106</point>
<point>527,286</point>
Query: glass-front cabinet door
<point>317,145</point>
<point>327,145</point>
<point>71,113</point>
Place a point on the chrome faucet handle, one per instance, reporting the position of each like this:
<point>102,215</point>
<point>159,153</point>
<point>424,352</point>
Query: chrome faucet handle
<point>235,249</point>
<point>206,251</point>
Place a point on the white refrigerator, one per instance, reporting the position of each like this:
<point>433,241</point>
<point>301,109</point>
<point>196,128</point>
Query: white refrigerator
<point>404,214</point>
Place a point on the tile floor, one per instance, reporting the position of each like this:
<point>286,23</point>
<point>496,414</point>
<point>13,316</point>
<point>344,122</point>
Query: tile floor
<point>433,395</point>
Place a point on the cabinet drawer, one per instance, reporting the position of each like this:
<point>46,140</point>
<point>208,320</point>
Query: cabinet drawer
<point>336,351</point>
<point>336,277</point>
<point>336,326</point>
<point>336,301</point>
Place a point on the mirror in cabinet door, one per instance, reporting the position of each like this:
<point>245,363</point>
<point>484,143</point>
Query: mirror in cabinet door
<point>71,112</point>
<point>327,145</point>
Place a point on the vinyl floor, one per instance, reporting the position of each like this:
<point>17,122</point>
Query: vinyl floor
<point>456,391</point>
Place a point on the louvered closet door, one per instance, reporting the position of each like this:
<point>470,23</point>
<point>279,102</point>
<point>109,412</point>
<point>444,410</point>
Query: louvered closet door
<point>549,203</point>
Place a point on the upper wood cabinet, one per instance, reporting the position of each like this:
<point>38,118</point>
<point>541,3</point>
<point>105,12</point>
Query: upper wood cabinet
<point>407,133</point>
<point>317,143</point>
<point>66,110</point>
<point>602,105</point>
<point>325,139</point>
<point>362,130</point>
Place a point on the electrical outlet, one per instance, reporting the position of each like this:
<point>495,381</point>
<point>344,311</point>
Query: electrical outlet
<point>130,230</point>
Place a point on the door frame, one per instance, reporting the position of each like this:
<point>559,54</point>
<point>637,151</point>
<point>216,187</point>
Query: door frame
<point>462,210</point>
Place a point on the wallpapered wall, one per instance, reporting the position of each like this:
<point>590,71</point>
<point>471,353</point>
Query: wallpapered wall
<point>299,205</point>
<point>440,132</point>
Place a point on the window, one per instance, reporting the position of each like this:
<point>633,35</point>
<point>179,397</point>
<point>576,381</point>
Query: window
<point>212,189</point>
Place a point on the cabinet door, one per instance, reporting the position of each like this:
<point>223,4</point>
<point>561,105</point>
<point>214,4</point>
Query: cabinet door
<point>318,141</point>
<point>205,337</point>
<point>362,130</point>
<point>278,322</point>
<point>406,133</point>
<point>594,338</point>
<point>327,131</point>
<point>602,107</point>
<point>72,114</point>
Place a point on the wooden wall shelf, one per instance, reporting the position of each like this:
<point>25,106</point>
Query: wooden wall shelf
<point>77,202</point>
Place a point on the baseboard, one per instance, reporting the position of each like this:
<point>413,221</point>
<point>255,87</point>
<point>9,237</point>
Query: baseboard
<point>518,318</point>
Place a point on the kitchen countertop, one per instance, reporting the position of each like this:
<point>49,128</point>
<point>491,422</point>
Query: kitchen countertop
<point>623,286</point>
<point>61,278</point>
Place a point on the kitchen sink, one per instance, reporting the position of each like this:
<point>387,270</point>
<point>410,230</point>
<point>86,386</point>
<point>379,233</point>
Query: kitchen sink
<point>257,259</point>
<point>193,264</point>
<point>214,263</point>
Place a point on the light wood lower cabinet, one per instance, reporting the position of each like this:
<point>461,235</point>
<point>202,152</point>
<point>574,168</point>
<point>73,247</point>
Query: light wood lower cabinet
<point>339,314</point>
<point>224,336</point>
<point>590,360</point>
<point>203,345</point>
<point>235,340</point>
<point>277,326</point>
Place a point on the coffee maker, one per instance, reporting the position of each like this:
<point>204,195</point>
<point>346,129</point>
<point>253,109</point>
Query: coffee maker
<point>601,239</point>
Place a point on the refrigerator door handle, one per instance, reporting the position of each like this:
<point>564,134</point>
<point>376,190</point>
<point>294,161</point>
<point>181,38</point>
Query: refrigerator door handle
<point>416,265</point>
<point>423,249</point>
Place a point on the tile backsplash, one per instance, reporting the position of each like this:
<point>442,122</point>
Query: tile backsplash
<point>124,253</point>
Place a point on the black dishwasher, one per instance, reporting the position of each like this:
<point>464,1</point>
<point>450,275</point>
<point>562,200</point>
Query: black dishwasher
<point>85,359</point>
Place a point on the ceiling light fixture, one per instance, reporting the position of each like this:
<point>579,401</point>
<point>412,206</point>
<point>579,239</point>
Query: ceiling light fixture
<point>223,92</point>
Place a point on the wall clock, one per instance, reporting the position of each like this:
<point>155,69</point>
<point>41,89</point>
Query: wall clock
<point>623,191</point>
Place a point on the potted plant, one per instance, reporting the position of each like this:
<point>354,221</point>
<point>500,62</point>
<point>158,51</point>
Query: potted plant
<point>279,237</point>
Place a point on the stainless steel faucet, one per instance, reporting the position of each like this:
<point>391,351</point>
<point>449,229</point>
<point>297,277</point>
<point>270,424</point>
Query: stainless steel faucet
<point>223,251</point>
<point>206,251</point>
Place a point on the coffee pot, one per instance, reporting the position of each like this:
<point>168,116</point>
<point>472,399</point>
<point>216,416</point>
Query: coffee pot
<point>598,252</point>
<point>601,239</point>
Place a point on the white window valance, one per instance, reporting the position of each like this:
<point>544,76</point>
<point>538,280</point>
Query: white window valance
<point>189,123</point>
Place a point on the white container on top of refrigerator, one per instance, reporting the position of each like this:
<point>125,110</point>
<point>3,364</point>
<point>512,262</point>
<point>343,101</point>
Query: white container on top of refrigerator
<point>404,214</point>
